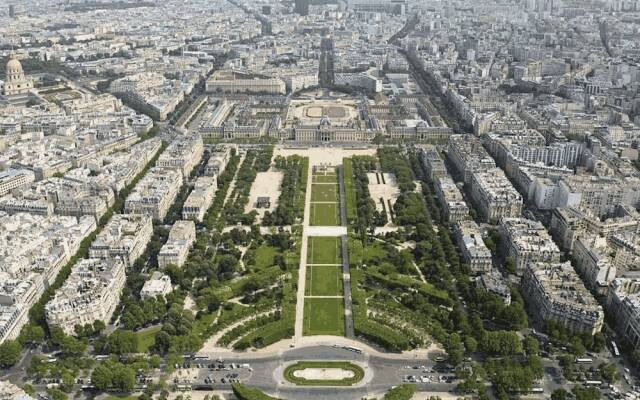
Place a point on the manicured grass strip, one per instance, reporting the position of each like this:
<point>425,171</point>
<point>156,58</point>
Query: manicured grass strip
<point>324,250</point>
<point>147,338</point>
<point>325,214</point>
<point>349,190</point>
<point>243,392</point>
<point>324,192</point>
<point>323,280</point>
<point>325,179</point>
<point>358,373</point>
<point>323,316</point>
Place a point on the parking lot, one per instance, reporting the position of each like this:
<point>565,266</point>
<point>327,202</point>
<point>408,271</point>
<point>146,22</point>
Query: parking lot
<point>207,374</point>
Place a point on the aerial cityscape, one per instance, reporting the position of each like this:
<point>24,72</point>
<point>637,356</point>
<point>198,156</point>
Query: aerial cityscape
<point>319,199</point>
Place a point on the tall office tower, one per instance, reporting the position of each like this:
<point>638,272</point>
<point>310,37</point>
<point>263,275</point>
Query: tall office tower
<point>266,10</point>
<point>12,11</point>
<point>302,7</point>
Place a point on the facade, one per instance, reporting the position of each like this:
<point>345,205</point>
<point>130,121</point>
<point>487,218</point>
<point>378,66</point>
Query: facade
<point>218,161</point>
<point>91,293</point>
<point>183,154</point>
<point>432,162</point>
<point>554,292</point>
<point>33,250</point>
<point>155,193</point>
<point>494,283</point>
<point>453,204</point>
<point>200,198</point>
<point>494,196</point>
<point>467,155</point>
<point>125,236</point>
<point>527,242</point>
<point>567,224</point>
<point>474,251</point>
<point>624,303</point>
<point>181,237</point>
<point>593,263</point>
<point>15,179</point>
<point>230,83</point>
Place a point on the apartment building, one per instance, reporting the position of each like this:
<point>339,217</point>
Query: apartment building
<point>181,237</point>
<point>593,263</point>
<point>494,196</point>
<point>155,193</point>
<point>125,236</point>
<point>623,302</point>
<point>183,154</point>
<point>91,293</point>
<point>527,242</point>
<point>451,199</point>
<point>554,292</point>
<point>218,161</point>
<point>474,251</point>
<point>14,179</point>
<point>200,198</point>
<point>468,156</point>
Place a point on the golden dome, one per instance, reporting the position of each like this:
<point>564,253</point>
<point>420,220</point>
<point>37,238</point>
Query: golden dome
<point>14,66</point>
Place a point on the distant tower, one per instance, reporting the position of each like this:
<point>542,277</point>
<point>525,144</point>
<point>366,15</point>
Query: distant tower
<point>302,7</point>
<point>266,10</point>
<point>12,11</point>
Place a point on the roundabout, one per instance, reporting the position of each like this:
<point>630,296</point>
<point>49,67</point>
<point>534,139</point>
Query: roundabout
<point>324,373</point>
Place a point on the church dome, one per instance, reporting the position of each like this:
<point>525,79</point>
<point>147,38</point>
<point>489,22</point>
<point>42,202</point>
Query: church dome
<point>14,68</point>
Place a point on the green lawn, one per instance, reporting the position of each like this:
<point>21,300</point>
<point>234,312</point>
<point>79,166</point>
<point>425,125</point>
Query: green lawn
<point>324,280</point>
<point>358,373</point>
<point>265,255</point>
<point>325,178</point>
<point>324,250</point>
<point>147,338</point>
<point>323,317</point>
<point>325,214</point>
<point>324,192</point>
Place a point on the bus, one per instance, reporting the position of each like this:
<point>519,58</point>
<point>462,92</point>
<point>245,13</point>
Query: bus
<point>584,360</point>
<point>614,347</point>
<point>593,383</point>
<point>354,349</point>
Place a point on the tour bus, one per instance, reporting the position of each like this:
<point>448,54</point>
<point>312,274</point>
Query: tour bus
<point>614,347</point>
<point>584,360</point>
<point>593,383</point>
<point>354,349</point>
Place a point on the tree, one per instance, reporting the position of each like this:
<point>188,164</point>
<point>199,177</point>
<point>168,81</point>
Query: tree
<point>9,353</point>
<point>470,344</point>
<point>72,346</point>
<point>56,394</point>
<point>455,349</point>
<point>124,378</point>
<point>586,393</point>
<point>531,346</point>
<point>101,377</point>
<point>559,394</point>
<point>32,334</point>
<point>66,385</point>
<point>609,372</point>
<point>401,392</point>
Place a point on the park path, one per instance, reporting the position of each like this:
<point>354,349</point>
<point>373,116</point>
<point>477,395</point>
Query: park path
<point>346,273</point>
<point>302,273</point>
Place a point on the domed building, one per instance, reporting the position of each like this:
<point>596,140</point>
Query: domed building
<point>17,86</point>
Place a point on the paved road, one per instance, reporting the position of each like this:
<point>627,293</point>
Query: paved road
<point>264,373</point>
